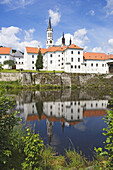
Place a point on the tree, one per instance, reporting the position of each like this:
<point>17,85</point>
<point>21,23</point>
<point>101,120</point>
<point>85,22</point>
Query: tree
<point>1,67</point>
<point>39,61</point>
<point>9,62</point>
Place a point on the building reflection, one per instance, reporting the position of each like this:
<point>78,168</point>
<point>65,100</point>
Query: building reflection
<point>68,113</point>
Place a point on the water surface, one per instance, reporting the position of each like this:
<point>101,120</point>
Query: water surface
<point>65,119</point>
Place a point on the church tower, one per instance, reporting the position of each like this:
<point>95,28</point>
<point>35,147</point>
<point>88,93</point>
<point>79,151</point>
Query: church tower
<point>49,42</point>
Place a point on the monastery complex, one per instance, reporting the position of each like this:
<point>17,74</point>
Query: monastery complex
<point>70,59</point>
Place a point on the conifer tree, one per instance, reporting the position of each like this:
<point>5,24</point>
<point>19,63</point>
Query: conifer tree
<point>39,61</point>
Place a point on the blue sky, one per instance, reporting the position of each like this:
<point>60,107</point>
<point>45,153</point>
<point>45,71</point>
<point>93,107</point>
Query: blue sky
<point>88,22</point>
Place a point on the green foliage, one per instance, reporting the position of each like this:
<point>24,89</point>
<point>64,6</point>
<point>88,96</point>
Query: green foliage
<point>33,150</point>
<point>74,86</point>
<point>9,62</point>
<point>1,67</point>
<point>75,159</point>
<point>39,61</point>
<point>7,122</point>
<point>108,132</point>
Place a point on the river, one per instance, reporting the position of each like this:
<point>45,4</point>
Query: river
<point>65,119</point>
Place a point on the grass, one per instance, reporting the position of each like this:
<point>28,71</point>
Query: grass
<point>30,71</point>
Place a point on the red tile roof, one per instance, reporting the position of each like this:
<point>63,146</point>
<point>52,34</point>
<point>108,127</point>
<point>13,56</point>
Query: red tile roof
<point>96,56</point>
<point>35,50</point>
<point>5,50</point>
<point>75,47</point>
<point>51,49</point>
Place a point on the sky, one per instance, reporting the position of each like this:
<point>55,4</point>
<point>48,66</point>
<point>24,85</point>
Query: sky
<point>89,23</point>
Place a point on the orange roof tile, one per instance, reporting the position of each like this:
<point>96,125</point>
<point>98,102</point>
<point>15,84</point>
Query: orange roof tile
<point>35,117</point>
<point>94,113</point>
<point>5,50</point>
<point>35,50</point>
<point>95,56</point>
<point>75,47</point>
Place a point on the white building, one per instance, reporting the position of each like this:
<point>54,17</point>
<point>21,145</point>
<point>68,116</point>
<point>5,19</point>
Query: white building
<point>70,59</point>
<point>18,58</point>
<point>5,55</point>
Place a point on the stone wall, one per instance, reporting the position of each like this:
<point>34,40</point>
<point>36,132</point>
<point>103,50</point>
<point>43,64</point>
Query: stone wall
<point>58,79</point>
<point>11,76</point>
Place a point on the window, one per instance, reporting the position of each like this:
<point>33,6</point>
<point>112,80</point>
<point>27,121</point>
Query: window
<point>78,52</point>
<point>78,110</point>
<point>19,62</point>
<point>16,62</point>
<point>75,66</point>
<point>22,62</point>
<point>0,57</point>
<point>71,110</point>
<point>32,62</point>
<point>71,52</point>
<point>50,55</point>
<point>51,107</point>
<point>58,60</point>
<point>91,64</point>
<point>78,59</point>
<point>32,67</point>
<point>58,55</point>
<point>62,64</point>
<point>58,64</point>
<point>91,105</point>
<point>62,58</point>
<point>71,117</point>
<point>5,57</point>
<point>96,65</point>
<point>50,61</point>
<point>102,65</point>
<point>51,113</point>
<point>32,56</point>
<point>71,66</point>
<point>79,67</point>
<point>85,64</point>
<point>19,58</point>
<point>71,59</point>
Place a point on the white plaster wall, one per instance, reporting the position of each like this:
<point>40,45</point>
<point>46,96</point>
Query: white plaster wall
<point>28,65</point>
<point>102,66</point>
<point>76,65</point>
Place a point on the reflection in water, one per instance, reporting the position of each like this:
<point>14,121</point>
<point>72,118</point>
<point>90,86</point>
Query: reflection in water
<point>63,117</point>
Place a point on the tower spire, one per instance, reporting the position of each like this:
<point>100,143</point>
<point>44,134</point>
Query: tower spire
<point>63,39</point>
<point>49,23</point>
<point>70,41</point>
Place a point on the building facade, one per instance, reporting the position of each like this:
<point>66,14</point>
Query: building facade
<point>70,59</point>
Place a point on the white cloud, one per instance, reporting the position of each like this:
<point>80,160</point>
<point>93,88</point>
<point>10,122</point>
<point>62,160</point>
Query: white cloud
<point>109,7</point>
<point>5,1</point>
<point>55,17</point>
<point>9,37</point>
<point>29,34</point>
<point>79,38</point>
<point>12,5</point>
<point>92,12</point>
<point>110,46</point>
<point>98,49</point>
